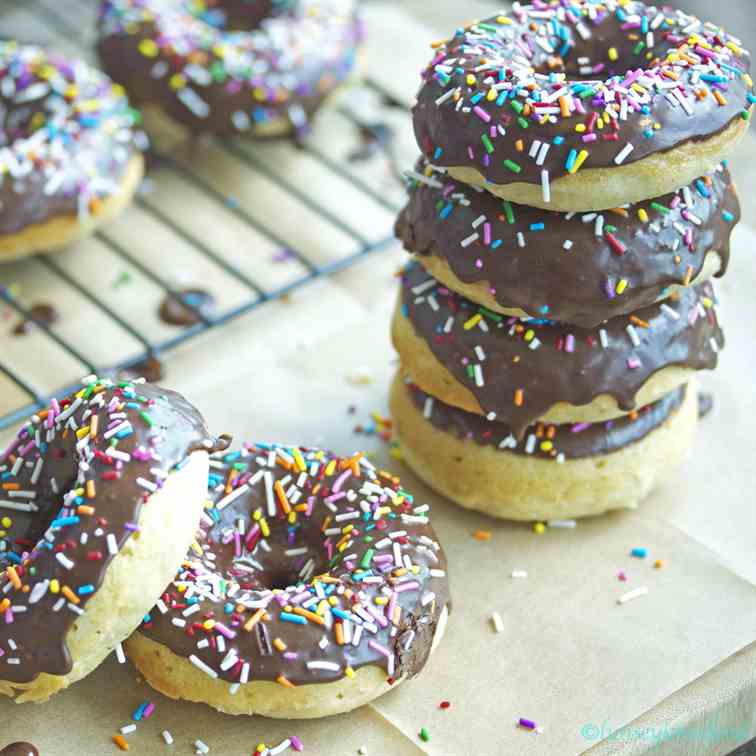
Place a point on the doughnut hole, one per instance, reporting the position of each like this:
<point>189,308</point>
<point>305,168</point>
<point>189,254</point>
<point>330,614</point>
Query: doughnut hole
<point>242,15</point>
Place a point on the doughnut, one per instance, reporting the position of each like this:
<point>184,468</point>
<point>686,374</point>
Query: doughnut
<point>584,105</point>
<point>315,583</point>
<point>99,496</point>
<point>69,155</point>
<point>230,67</point>
<point>555,472</point>
<point>521,371</point>
<point>575,268</point>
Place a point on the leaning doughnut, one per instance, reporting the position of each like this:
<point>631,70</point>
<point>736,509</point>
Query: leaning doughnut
<point>314,584</point>
<point>575,268</point>
<point>584,105</point>
<point>520,371</point>
<point>68,152</point>
<point>99,496</point>
<point>555,472</point>
<point>262,71</point>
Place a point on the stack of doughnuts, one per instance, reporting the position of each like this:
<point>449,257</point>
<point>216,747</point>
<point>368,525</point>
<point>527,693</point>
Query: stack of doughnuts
<point>567,217</point>
<point>272,580</point>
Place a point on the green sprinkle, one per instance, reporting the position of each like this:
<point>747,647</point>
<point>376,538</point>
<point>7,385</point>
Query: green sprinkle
<point>147,419</point>
<point>746,115</point>
<point>514,167</point>
<point>523,123</point>
<point>424,735</point>
<point>509,212</point>
<point>367,557</point>
<point>660,208</point>
<point>638,49</point>
<point>490,314</point>
<point>610,229</point>
<point>516,106</point>
<point>487,143</point>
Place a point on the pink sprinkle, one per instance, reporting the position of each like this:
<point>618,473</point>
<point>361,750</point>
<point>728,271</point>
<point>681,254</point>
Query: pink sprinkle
<point>379,648</point>
<point>569,344</point>
<point>147,713</point>
<point>340,480</point>
<point>487,234</point>
<point>225,631</point>
<point>633,363</point>
<point>296,743</point>
<point>481,114</point>
<point>479,263</point>
<point>408,586</point>
<point>621,575</point>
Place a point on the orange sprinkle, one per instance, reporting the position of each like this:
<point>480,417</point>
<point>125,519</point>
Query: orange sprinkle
<point>326,523</point>
<point>519,397</point>
<point>564,106</point>
<point>316,618</point>
<point>11,487</point>
<point>10,571</point>
<point>720,98</point>
<point>658,564</point>
<point>85,509</point>
<point>339,631</point>
<point>482,535</point>
<point>230,478</point>
<point>121,742</point>
<point>281,494</point>
<point>90,489</point>
<point>93,425</point>
<point>688,275</point>
<point>4,604</point>
<point>279,644</point>
<point>254,619</point>
<point>70,595</point>
<point>642,323</point>
<point>520,145</point>
<point>285,682</point>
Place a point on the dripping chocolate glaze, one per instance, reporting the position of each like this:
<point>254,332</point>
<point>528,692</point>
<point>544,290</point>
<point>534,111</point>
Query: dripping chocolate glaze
<point>187,307</point>
<point>39,632</point>
<point>38,313</point>
<point>27,200</point>
<point>308,83</point>
<point>548,375</point>
<point>575,286</point>
<point>260,570</point>
<point>576,441</point>
<point>454,132</point>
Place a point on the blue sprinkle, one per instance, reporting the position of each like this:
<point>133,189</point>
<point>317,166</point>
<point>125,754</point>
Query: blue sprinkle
<point>446,212</point>
<point>728,216</point>
<point>571,158</point>
<point>751,98</point>
<point>639,553</point>
<point>537,226</point>
<point>496,244</point>
<point>62,522</point>
<point>85,590</point>
<point>295,618</point>
<point>558,140</point>
<point>139,713</point>
<point>437,154</point>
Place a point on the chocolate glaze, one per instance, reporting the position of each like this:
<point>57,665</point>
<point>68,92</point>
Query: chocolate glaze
<point>319,488</point>
<point>20,748</point>
<point>187,308</point>
<point>150,368</point>
<point>165,430</point>
<point>551,373</point>
<point>575,286</point>
<point>296,53</point>
<point>552,442</point>
<point>38,313</point>
<point>446,134</point>
<point>44,176</point>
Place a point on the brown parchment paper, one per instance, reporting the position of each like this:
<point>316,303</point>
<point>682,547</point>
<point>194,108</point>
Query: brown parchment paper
<point>569,658</point>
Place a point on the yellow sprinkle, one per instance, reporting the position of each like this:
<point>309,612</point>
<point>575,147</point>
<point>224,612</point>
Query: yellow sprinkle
<point>613,54</point>
<point>148,48</point>
<point>621,286</point>
<point>643,215</point>
<point>264,527</point>
<point>279,644</point>
<point>474,320</point>
<point>330,467</point>
<point>529,334</point>
<point>658,564</point>
<point>539,528</point>
<point>6,522</point>
<point>208,624</point>
<point>492,95</point>
<point>177,81</point>
<point>547,446</point>
<point>581,158</point>
<point>349,672</point>
<point>504,20</point>
<point>82,432</point>
<point>54,586</point>
<point>470,80</point>
<point>299,459</point>
<point>580,128</point>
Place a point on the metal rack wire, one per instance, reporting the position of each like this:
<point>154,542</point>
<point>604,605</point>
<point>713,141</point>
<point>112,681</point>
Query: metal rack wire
<point>257,295</point>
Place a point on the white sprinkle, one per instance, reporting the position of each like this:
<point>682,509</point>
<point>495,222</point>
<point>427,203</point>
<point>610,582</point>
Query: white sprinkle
<point>568,245</point>
<point>233,496</point>
<point>127,729</point>
<point>201,665</point>
<point>201,747</point>
<point>633,334</point>
<point>428,409</point>
<point>714,345</point>
<point>545,147</point>
<point>634,594</point>
<point>546,186</point>
<point>530,444</point>
<point>624,153</point>
<point>566,524</point>
<point>479,221</point>
<point>271,504</point>
<point>498,623</point>
<point>280,748</point>
<point>470,240</point>
<point>167,737</point>
<point>120,655</point>
<point>603,338</point>
<point>534,343</point>
<point>478,373</point>
<point>148,484</point>
<point>18,506</point>
<point>599,227</point>
<point>667,310</point>
<point>519,574</point>
<point>445,96</point>
<point>110,540</point>
<point>64,560</point>
<point>326,665</point>
<point>520,239</point>
<point>424,286</point>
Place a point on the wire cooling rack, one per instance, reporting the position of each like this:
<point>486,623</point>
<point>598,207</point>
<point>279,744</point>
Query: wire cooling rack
<point>331,243</point>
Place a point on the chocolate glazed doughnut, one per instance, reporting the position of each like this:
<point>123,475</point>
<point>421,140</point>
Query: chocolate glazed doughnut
<point>231,68</point>
<point>519,371</point>
<point>314,583</point>
<point>576,268</point>
<point>69,158</point>
<point>99,495</point>
<point>584,105</point>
